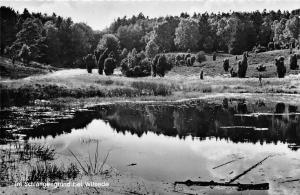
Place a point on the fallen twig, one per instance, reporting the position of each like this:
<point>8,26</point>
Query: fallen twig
<point>249,169</point>
<point>260,186</point>
<point>227,162</point>
<point>292,180</point>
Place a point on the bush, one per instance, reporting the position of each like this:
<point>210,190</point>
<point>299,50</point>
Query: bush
<point>109,66</point>
<point>261,68</point>
<point>281,69</point>
<point>242,66</point>
<point>136,65</point>
<point>190,61</point>
<point>214,56</point>
<point>293,62</point>
<point>90,61</point>
<point>200,56</point>
<point>187,56</point>
<point>160,65</point>
<point>226,64</point>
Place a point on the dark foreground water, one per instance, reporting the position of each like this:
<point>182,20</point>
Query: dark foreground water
<point>168,142</point>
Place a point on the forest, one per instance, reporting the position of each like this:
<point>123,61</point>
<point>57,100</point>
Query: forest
<point>52,39</point>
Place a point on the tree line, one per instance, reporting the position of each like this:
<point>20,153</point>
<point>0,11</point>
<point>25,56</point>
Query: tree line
<point>61,42</point>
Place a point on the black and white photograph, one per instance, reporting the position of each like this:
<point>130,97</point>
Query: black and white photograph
<point>141,97</point>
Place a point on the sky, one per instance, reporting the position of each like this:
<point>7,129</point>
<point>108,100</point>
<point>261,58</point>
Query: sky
<point>99,14</point>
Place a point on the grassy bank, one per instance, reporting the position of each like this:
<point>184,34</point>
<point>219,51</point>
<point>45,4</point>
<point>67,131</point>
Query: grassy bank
<point>180,82</point>
<point>85,85</point>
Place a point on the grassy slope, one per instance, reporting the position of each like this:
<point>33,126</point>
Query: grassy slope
<point>18,70</point>
<point>181,82</point>
<point>215,68</point>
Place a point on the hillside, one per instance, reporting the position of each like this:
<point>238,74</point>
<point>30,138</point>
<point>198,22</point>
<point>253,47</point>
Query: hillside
<point>215,68</point>
<point>18,70</point>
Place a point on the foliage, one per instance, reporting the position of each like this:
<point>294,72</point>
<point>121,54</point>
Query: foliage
<point>187,35</point>
<point>200,56</point>
<point>226,64</point>
<point>110,42</point>
<point>164,34</point>
<point>293,62</point>
<point>90,62</point>
<point>25,54</point>
<point>160,65</point>
<point>8,24</point>
<point>101,61</point>
<point>136,65</point>
<point>131,36</point>
<point>151,49</point>
<point>61,42</point>
<point>281,69</point>
<point>109,66</point>
<point>242,66</point>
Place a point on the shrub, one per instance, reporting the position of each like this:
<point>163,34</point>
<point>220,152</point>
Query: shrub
<point>261,68</point>
<point>187,56</point>
<point>136,65</point>
<point>193,59</point>
<point>189,62</point>
<point>233,73</point>
<point>160,65</point>
<point>242,66</point>
<point>293,62</point>
<point>226,64</point>
<point>90,61</point>
<point>200,56</point>
<point>281,69</point>
<point>109,66</point>
<point>101,60</point>
<point>214,56</point>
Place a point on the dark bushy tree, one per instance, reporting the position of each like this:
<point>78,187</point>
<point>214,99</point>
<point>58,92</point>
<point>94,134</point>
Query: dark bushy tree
<point>226,64</point>
<point>242,66</point>
<point>293,62</point>
<point>281,69</point>
<point>109,66</point>
<point>160,65</point>
<point>90,62</point>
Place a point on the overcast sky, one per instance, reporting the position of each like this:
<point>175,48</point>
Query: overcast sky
<point>99,14</point>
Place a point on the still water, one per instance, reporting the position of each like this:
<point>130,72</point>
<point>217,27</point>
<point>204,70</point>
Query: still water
<point>186,141</point>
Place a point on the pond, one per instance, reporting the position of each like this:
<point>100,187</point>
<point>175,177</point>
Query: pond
<point>180,141</point>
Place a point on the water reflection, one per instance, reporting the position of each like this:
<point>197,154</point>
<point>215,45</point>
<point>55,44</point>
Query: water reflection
<point>169,142</point>
<point>229,121</point>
